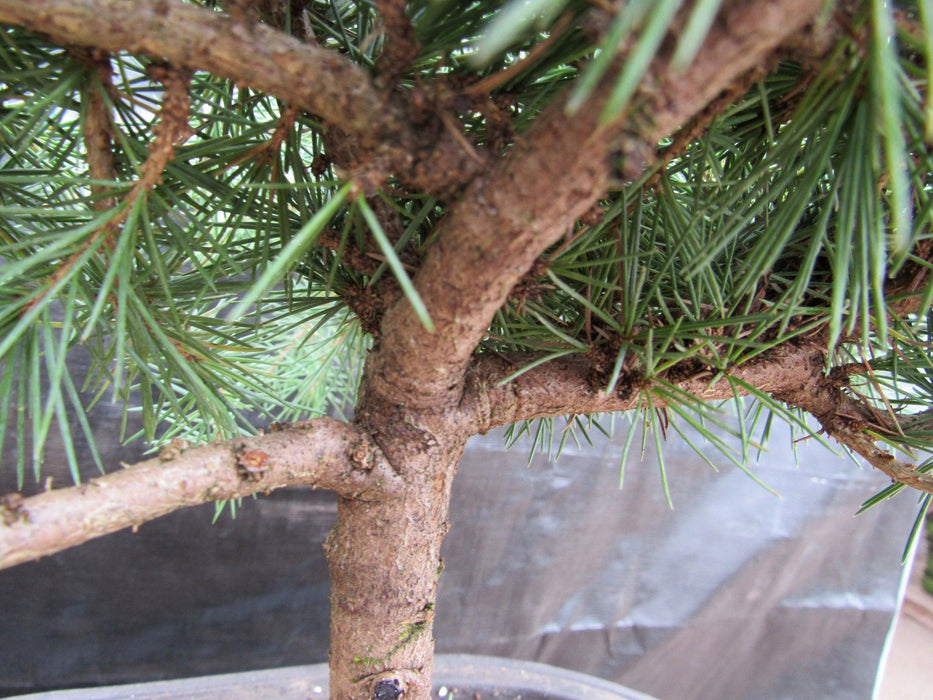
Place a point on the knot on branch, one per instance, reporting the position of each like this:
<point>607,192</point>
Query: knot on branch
<point>173,449</point>
<point>251,463</point>
<point>363,455</point>
<point>387,689</point>
<point>12,510</point>
<point>394,684</point>
<point>368,306</point>
<point>630,380</point>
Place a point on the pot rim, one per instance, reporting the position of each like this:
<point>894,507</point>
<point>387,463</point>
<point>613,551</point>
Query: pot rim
<point>477,673</point>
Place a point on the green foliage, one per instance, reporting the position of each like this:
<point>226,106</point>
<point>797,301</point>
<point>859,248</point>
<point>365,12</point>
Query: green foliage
<point>156,303</point>
<point>220,301</point>
<point>767,227</point>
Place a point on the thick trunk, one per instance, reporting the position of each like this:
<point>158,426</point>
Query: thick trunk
<point>385,562</point>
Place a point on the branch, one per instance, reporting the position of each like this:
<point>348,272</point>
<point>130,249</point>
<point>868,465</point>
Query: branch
<point>850,421</point>
<point>485,86</point>
<point>792,372</point>
<point>743,37</point>
<point>307,76</point>
<point>98,126</point>
<point>321,453</point>
<point>400,45</point>
<point>313,78</point>
<point>504,221</point>
<point>575,384</point>
<point>862,444</point>
<point>172,128</point>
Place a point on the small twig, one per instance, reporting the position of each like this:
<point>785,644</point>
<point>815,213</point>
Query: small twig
<point>891,412</point>
<point>400,45</point>
<point>98,125</point>
<point>173,127</point>
<point>267,150</point>
<point>381,259</point>
<point>491,82</point>
<point>451,125</point>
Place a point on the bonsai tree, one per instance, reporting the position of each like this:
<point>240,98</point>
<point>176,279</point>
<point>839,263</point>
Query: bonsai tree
<point>459,216</point>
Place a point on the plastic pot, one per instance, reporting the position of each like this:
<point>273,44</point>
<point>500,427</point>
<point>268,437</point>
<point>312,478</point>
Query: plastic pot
<point>457,677</point>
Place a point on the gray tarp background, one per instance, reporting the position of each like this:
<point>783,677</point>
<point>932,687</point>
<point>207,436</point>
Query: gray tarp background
<point>735,593</point>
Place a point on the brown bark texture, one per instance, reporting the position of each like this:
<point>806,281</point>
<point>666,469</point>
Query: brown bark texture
<point>323,453</point>
<point>423,392</point>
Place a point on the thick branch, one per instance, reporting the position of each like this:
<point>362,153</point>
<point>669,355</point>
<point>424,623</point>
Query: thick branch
<point>322,453</point>
<point>307,76</point>
<point>792,372</point>
<point>505,220</point>
<point>574,385</point>
<point>311,77</point>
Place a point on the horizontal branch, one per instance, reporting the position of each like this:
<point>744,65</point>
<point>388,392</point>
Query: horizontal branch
<point>575,385</point>
<point>792,373</point>
<point>311,77</point>
<point>321,453</point>
<point>794,370</point>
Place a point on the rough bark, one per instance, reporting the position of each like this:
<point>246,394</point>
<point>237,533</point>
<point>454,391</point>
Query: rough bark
<point>414,378</point>
<point>98,126</point>
<point>323,453</point>
<point>558,170</point>
<point>385,562</point>
<point>573,385</point>
<point>313,78</point>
